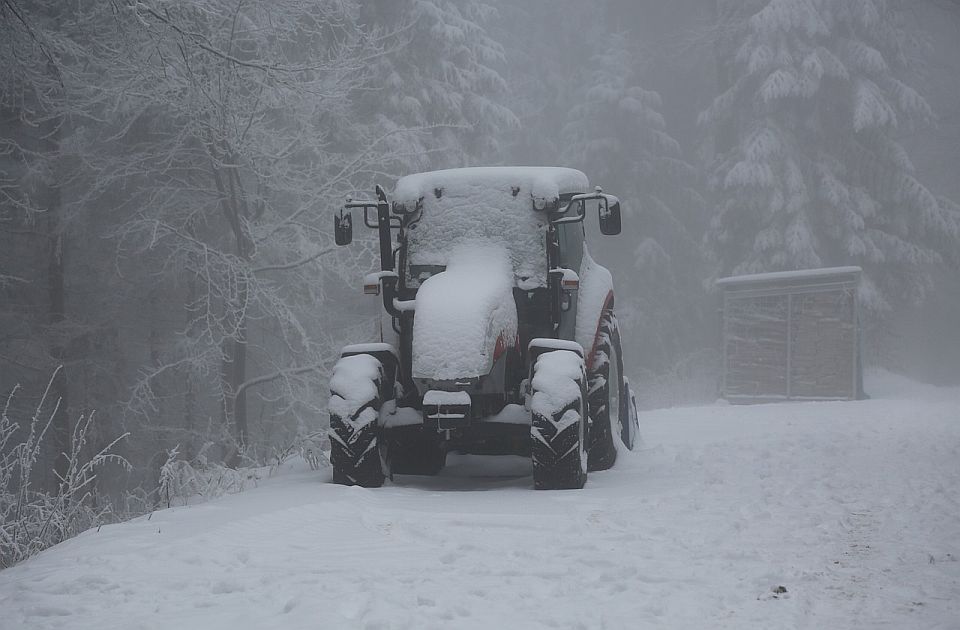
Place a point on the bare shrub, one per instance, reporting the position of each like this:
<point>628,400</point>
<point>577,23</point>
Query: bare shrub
<point>182,482</point>
<point>32,520</point>
<point>313,448</point>
<point>201,480</point>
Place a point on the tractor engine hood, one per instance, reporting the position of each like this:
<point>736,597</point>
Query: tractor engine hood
<point>465,315</point>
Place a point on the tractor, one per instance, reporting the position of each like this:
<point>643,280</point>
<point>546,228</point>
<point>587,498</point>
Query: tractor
<point>497,333</point>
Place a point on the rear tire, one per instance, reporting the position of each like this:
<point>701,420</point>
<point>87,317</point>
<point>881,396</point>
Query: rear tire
<point>558,421</point>
<point>606,396</point>
<point>355,422</point>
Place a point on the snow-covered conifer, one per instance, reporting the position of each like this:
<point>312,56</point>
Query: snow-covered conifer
<point>438,84</point>
<point>809,169</point>
<point>615,131</point>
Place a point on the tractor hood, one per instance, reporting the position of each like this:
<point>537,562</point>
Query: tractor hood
<point>462,312</point>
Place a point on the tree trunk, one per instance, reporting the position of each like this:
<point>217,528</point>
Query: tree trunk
<point>239,375</point>
<point>190,390</point>
<point>726,136</point>
<point>233,204</point>
<point>51,203</point>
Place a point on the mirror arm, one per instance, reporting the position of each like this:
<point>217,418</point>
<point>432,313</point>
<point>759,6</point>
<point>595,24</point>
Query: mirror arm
<point>581,212</point>
<point>577,219</point>
<point>390,302</point>
<point>367,221</point>
<point>386,236</point>
<point>395,222</point>
<point>384,224</point>
<point>350,205</point>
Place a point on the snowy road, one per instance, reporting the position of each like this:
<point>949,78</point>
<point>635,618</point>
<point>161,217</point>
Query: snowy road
<point>853,508</point>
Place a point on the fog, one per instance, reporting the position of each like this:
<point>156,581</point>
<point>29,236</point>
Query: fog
<point>169,172</point>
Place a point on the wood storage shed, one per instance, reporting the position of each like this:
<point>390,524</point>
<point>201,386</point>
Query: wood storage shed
<point>791,335</point>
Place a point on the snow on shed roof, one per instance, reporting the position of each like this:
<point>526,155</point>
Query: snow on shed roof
<point>798,276</point>
<point>540,182</point>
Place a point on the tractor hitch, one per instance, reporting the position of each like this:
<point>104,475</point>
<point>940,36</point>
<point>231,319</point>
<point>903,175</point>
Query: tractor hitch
<point>446,411</point>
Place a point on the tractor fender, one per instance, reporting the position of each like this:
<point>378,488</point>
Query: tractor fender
<point>591,353</point>
<point>389,360</point>
<point>595,297</point>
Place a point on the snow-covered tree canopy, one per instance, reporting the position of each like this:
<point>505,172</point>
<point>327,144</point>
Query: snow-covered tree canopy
<point>438,82</point>
<point>810,169</point>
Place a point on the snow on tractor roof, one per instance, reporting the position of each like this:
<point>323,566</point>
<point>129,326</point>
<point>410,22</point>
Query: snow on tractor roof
<point>528,182</point>
<point>490,204</point>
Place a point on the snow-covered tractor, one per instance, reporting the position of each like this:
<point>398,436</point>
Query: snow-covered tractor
<point>498,334</point>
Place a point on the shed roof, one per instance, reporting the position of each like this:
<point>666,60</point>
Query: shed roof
<point>799,277</point>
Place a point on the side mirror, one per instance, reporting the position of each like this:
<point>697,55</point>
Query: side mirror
<point>343,228</point>
<point>609,216</point>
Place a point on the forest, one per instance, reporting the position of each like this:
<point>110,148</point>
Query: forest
<point>171,298</point>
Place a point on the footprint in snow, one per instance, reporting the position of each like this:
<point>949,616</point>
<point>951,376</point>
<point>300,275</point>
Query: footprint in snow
<point>776,592</point>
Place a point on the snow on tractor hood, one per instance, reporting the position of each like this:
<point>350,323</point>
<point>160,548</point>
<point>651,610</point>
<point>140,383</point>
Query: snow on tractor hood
<point>462,311</point>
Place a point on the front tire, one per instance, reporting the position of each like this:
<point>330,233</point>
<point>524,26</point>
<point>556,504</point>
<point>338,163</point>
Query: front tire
<point>558,421</point>
<point>355,402</point>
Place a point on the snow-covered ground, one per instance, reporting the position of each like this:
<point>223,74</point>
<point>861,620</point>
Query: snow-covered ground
<point>852,508</point>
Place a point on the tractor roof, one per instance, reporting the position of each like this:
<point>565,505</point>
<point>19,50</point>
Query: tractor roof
<point>543,184</point>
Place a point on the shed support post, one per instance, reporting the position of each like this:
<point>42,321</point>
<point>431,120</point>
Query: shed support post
<point>789,345</point>
<point>856,376</point>
<point>724,337</point>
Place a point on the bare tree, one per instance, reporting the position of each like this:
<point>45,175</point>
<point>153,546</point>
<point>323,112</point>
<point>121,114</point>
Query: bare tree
<point>235,127</point>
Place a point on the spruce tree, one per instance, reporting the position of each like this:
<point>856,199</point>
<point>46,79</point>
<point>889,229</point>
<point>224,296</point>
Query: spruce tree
<point>809,170</point>
<point>437,87</point>
<point>615,131</point>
